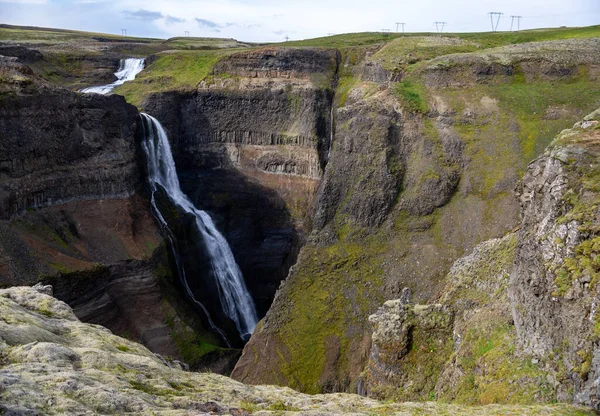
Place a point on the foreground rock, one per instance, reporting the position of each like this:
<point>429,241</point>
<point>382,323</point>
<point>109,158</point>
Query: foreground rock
<point>51,363</point>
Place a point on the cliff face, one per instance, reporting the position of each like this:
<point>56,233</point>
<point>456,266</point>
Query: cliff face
<point>554,285</point>
<point>59,146</point>
<point>250,145</point>
<point>516,322</point>
<point>422,169</point>
<point>70,212</point>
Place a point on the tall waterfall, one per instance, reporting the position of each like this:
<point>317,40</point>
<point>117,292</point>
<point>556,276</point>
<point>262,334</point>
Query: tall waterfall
<point>235,299</point>
<point>128,69</point>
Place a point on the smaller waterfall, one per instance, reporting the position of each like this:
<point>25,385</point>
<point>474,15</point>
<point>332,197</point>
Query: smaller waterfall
<point>128,69</point>
<point>235,299</point>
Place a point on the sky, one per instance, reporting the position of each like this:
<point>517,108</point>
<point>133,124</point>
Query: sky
<point>272,20</point>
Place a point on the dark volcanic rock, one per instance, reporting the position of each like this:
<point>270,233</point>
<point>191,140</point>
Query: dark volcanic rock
<point>60,146</point>
<point>250,150</point>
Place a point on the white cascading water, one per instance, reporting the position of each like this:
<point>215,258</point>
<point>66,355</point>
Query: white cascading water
<point>235,299</point>
<point>128,69</point>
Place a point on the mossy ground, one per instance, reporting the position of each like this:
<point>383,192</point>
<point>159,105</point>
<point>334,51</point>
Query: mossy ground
<point>331,293</point>
<point>181,70</point>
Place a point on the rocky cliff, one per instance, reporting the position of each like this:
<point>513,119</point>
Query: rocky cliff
<point>71,212</point>
<point>553,287</point>
<point>424,161</point>
<point>250,145</point>
<point>516,322</point>
<point>51,363</point>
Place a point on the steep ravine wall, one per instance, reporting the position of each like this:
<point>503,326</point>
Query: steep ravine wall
<point>250,145</point>
<point>421,171</point>
<point>71,213</point>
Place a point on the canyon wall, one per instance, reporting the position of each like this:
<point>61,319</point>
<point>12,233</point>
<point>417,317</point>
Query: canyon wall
<point>72,213</point>
<point>250,145</point>
<point>422,169</point>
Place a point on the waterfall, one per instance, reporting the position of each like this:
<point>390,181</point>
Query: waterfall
<point>128,69</point>
<point>235,299</point>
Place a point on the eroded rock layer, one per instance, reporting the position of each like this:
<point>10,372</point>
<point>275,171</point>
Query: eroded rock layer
<point>250,145</point>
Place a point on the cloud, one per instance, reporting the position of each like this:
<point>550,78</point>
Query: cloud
<point>142,14</point>
<point>172,19</point>
<point>25,1</point>
<point>208,24</point>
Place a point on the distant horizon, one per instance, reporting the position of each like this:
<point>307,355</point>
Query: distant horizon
<point>268,21</point>
<point>49,28</point>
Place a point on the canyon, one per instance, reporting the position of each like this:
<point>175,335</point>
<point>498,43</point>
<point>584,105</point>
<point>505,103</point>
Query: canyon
<point>409,215</point>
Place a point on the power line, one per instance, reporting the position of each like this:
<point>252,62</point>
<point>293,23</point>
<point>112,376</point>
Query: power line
<point>497,15</point>
<point>518,19</point>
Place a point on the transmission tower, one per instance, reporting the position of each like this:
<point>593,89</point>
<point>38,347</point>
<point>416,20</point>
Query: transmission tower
<point>518,19</point>
<point>186,34</point>
<point>439,26</point>
<point>287,38</point>
<point>123,32</point>
<point>497,16</point>
<point>400,24</point>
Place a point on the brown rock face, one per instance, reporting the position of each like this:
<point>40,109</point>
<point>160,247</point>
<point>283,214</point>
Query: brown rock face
<point>58,146</point>
<point>250,146</point>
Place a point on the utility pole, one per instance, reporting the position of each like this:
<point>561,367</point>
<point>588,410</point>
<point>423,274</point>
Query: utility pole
<point>123,32</point>
<point>497,15</point>
<point>186,34</point>
<point>439,26</point>
<point>330,34</point>
<point>400,24</point>
<point>518,19</point>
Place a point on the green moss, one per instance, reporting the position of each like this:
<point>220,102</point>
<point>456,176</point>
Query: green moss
<point>494,374</point>
<point>282,406</point>
<point>152,390</point>
<point>333,288</point>
<point>172,70</point>
<point>123,348</point>
<point>411,95</point>
<point>345,84</point>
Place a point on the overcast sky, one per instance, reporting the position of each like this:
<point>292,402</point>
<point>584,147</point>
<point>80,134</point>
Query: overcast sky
<point>272,20</point>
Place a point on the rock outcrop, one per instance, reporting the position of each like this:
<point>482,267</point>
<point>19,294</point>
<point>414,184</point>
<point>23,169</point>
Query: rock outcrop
<point>51,363</point>
<point>402,335</point>
<point>554,285</point>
